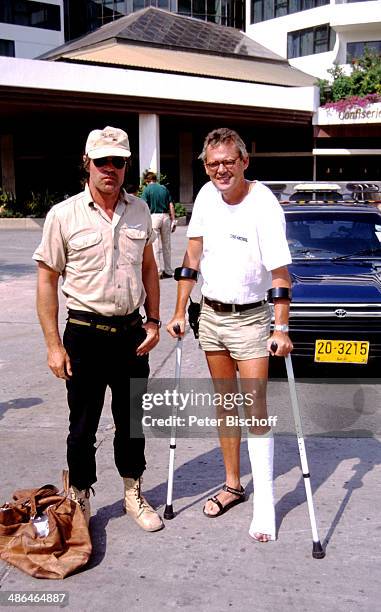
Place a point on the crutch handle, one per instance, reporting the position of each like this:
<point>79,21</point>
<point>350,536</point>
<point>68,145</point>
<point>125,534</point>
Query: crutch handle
<point>176,328</point>
<point>274,346</point>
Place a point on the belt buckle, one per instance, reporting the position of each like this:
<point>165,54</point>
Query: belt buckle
<point>102,327</point>
<point>106,328</point>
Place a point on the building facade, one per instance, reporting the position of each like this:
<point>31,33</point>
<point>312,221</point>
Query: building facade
<point>315,34</point>
<point>167,80</point>
<point>29,28</point>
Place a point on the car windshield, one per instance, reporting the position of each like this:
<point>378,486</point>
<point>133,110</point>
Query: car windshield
<point>331,235</point>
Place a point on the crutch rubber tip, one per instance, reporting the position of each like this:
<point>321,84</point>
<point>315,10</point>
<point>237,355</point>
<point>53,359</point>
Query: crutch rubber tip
<point>168,513</point>
<point>317,551</point>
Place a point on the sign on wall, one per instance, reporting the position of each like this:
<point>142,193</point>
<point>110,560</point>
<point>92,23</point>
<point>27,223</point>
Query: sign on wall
<point>350,116</point>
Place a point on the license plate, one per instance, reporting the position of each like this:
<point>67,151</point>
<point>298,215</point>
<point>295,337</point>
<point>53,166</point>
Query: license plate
<point>341,351</point>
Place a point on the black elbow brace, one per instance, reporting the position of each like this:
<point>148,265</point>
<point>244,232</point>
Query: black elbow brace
<point>186,274</point>
<point>283,293</point>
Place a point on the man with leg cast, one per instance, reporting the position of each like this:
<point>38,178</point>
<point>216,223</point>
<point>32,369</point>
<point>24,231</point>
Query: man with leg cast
<point>237,240</point>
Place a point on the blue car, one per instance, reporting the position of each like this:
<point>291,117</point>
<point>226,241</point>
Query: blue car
<point>335,318</point>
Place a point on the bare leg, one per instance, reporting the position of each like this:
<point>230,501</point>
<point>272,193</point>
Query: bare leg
<point>223,371</point>
<point>253,376</point>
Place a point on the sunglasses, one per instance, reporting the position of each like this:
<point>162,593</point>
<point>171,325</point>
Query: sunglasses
<point>117,162</point>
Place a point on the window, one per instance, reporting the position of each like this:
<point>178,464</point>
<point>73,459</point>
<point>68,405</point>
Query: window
<point>32,14</point>
<point>310,41</point>
<point>332,232</point>
<point>7,47</point>
<point>356,49</point>
<point>223,12</point>
<point>261,10</point>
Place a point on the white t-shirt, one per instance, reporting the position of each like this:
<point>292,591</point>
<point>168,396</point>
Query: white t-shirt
<point>242,243</point>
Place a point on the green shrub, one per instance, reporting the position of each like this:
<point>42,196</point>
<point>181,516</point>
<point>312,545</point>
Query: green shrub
<point>180,210</point>
<point>8,205</point>
<point>35,205</point>
<point>39,204</point>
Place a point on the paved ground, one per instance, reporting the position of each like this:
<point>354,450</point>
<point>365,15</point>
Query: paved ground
<point>196,563</point>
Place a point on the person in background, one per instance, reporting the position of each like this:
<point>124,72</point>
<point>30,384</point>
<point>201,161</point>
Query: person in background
<point>162,210</point>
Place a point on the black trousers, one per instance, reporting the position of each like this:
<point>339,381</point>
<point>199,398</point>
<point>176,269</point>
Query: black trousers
<point>100,359</point>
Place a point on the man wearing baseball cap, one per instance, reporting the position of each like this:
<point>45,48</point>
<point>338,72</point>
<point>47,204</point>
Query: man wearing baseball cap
<point>100,242</point>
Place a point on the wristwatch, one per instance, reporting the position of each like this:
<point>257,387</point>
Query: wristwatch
<point>282,328</point>
<point>152,320</point>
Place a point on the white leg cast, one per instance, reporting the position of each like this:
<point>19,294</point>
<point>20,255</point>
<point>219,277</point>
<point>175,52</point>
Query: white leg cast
<point>261,453</point>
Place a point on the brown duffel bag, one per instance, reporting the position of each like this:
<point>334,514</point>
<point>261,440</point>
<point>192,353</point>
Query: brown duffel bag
<point>44,533</point>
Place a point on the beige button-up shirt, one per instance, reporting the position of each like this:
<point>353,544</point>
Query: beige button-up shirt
<point>100,259</point>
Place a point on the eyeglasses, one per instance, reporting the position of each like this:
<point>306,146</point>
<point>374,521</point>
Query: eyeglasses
<point>227,163</point>
<point>117,162</point>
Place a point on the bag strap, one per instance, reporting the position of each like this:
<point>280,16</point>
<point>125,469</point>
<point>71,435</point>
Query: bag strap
<point>32,498</point>
<point>36,497</point>
<point>65,481</point>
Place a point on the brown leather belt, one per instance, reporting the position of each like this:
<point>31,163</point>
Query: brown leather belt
<point>221,307</point>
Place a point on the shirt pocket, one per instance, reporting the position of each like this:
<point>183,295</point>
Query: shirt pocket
<point>86,252</point>
<point>132,244</point>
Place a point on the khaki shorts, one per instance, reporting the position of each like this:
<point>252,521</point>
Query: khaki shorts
<point>243,334</point>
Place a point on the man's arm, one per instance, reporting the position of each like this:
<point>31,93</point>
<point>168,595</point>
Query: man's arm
<point>150,279</point>
<point>281,278</point>
<point>47,310</point>
<point>184,287</point>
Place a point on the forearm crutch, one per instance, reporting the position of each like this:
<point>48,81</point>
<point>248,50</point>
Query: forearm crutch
<point>317,549</point>
<point>168,512</point>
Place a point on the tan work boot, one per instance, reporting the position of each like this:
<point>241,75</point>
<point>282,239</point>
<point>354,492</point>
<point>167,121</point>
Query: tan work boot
<point>83,499</point>
<point>138,507</point>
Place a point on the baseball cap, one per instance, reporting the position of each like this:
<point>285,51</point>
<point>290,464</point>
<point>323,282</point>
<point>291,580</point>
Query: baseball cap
<point>108,142</point>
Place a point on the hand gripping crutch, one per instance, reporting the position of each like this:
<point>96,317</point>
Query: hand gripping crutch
<point>168,512</point>
<point>317,549</point>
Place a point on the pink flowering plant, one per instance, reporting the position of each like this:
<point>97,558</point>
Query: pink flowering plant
<point>353,102</point>
<point>356,90</point>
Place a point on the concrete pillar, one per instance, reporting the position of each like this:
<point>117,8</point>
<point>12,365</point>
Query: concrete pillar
<point>149,143</point>
<point>247,15</point>
<point>7,161</point>
<point>186,169</point>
